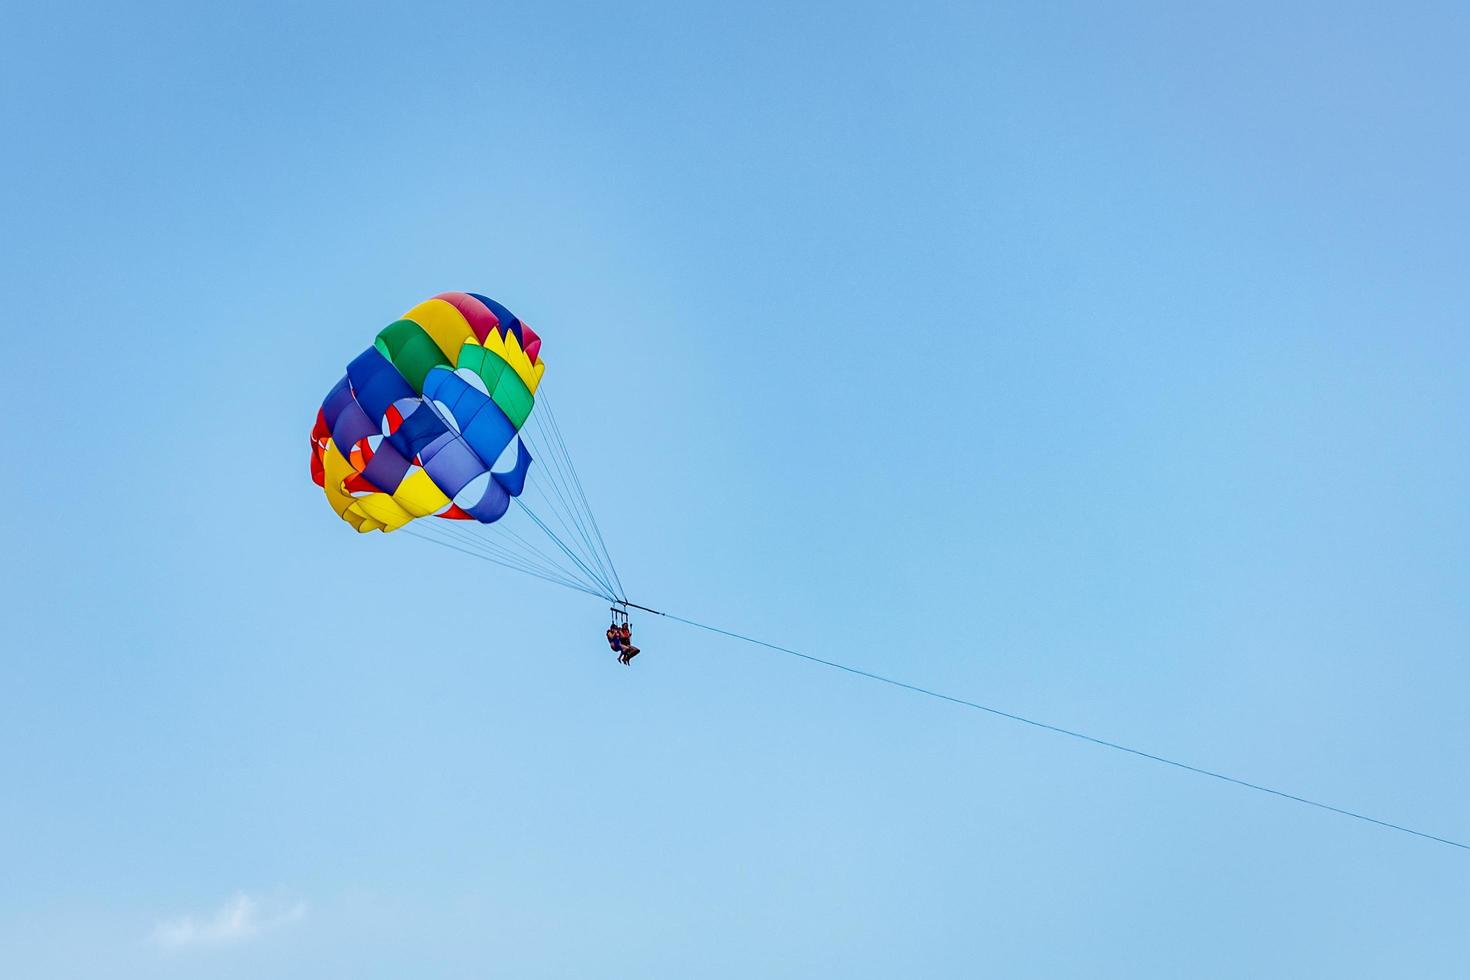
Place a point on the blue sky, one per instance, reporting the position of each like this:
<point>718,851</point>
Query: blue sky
<point>1108,366</point>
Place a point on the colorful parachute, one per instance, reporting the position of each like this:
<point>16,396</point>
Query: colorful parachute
<point>421,417</point>
<point>438,419</point>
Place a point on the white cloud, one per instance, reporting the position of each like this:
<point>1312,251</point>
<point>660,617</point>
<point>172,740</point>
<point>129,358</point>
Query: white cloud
<point>239,920</point>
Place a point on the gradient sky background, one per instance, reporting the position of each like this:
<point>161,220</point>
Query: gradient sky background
<point>1110,366</point>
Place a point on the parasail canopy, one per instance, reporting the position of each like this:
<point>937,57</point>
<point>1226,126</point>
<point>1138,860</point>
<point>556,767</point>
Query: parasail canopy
<point>431,422</point>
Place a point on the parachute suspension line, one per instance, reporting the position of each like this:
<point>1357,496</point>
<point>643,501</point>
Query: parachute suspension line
<point>538,551</point>
<point>518,545</point>
<point>580,558</point>
<point>484,557</point>
<point>552,426</point>
<point>568,526</point>
<point>567,551</point>
<point>488,543</point>
<point>1058,730</point>
<point>508,555</point>
<point>441,535</point>
<point>499,538</point>
<point>444,532</point>
<point>566,514</point>
<point>582,493</point>
<point>556,477</point>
